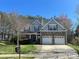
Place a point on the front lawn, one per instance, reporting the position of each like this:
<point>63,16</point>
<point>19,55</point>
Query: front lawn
<point>10,49</point>
<point>76,47</point>
<point>27,48</point>
<point>6,48</point>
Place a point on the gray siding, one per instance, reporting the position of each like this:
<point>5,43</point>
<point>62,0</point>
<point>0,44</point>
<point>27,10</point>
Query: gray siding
<point>52,22</point>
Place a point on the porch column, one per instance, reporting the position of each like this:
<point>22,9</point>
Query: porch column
<point>36,36</point>
<point>30,36</point>
<point>40,38</point>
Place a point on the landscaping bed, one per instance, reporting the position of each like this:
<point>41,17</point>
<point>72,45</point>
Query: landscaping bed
<point>76,47</point>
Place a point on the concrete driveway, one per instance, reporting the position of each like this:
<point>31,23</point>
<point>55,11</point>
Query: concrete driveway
<point>49,48</point>
<point>58,49</point>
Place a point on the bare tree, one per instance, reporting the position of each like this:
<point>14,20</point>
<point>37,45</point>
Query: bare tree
<point>15,27</point>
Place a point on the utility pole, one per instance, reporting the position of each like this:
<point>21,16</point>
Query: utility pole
<point>18,37</point>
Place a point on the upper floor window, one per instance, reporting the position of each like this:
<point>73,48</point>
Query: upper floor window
<point>36,27</point>
<point>52,26</point>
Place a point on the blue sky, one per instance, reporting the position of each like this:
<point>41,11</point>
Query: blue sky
<point>45,8</point>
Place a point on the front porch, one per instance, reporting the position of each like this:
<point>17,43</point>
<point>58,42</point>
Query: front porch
<point>32,38</point>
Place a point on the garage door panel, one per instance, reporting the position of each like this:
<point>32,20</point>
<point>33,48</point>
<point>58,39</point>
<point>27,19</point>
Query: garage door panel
<point>46,40</point>
<point>59,40</point>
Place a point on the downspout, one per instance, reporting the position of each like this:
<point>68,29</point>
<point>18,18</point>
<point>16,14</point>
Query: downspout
<point>66,37</point>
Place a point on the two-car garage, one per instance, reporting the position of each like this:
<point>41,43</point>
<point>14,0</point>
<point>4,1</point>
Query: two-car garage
<point>57,40</point>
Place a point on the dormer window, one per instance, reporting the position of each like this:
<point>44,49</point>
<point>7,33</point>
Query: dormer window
<point>52,26</point>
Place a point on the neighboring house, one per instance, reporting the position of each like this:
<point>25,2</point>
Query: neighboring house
<point>50,33</point>
<point>4,35</point>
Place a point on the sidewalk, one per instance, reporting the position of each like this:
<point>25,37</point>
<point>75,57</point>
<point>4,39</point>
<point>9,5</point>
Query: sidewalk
<point>17,55</point>
<point>40,56</point>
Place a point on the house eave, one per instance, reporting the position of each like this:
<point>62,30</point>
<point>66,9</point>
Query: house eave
<point>53,30</point>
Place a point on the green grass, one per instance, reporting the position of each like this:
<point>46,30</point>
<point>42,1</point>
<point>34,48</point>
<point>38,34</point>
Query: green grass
<point>27,48</point>
<point>5,43</point>
<point>10,49</point>
<point>76,47</point>
<point>6,48</point>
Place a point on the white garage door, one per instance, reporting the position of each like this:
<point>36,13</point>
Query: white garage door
<point>47,40</point>
<point>59,40</point>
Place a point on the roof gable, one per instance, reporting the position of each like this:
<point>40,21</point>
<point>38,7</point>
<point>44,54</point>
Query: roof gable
<point>35,26</point>
<point>36,22</point>
<point>53,21</point>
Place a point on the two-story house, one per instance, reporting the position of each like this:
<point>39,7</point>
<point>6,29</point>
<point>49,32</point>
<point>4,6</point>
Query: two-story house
<point>50,33</point>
